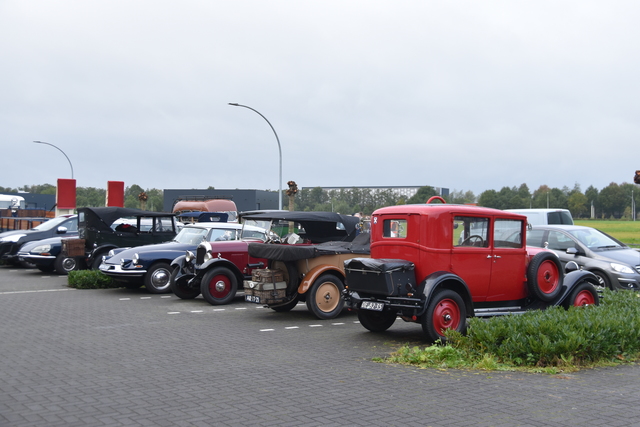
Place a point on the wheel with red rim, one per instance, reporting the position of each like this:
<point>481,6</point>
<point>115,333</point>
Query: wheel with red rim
<point>583,294</point>
<point>219,286</point>
<point>446,310</point>
<point>544,276</point>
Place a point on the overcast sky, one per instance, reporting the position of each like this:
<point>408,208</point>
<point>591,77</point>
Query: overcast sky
<point>467,95</point>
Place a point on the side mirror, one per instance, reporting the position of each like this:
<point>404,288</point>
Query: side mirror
<point>572,251</point>
<point>62,230</point>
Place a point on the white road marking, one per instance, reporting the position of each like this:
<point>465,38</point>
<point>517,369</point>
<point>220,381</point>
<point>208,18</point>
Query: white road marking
<point>292,327</point>
<point>267,330</point>
<point>33,292</point>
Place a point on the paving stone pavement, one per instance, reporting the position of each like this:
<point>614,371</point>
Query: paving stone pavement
<point>128,358</point>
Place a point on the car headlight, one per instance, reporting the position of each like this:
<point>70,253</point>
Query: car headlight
<point>136,259</point>
<point>621,268</point>
<point>13,238</point>
<point>189,256</point>
<point>40,249</point>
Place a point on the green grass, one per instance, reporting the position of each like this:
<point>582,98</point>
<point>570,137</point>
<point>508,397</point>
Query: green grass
<point>626,231</point>
<point>548,341</point>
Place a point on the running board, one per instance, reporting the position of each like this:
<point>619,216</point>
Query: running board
<point>498,311</point>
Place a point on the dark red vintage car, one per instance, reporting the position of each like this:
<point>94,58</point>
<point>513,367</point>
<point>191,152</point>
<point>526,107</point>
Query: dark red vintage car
<point>437,264</point>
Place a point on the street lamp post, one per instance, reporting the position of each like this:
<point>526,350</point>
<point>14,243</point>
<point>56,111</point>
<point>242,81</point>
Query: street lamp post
<point>41,142</point>
<point>279,150</point>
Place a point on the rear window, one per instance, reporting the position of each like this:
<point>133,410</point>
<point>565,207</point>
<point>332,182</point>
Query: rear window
<point>396,228</point>
<point>560,217</point>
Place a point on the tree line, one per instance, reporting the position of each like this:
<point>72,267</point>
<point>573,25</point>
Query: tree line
<point>611,202</point>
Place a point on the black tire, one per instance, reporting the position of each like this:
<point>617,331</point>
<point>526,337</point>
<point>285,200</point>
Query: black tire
<point>603,279</point>
<point>45,268</point>
<point>583,294</point>
<point>63,265</point>
<point>544,276</point>
<point>180,288</point>
<point>376,321</point>
<point>324,297</point>
<point>95,263</point>
<point>446,310</point>
<point>288,306</point>
<point>157,279</point>
<point>219,286</point>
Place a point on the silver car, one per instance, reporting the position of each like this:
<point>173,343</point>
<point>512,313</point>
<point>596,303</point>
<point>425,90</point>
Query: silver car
<point>616,265</point>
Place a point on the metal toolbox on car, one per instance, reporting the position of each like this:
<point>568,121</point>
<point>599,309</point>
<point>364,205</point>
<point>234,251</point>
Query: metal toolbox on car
<point>389,277</point>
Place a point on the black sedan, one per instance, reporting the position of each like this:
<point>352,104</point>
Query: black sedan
<point>616,265</point>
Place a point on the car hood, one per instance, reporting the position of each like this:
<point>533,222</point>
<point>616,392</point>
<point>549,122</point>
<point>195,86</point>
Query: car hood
<point>625,256</point>
<point>36,235</point>
<point>151,251</point>
<point>53,241</point>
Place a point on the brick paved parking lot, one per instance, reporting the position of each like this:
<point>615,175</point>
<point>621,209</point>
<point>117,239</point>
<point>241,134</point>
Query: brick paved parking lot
<point>128,358</point>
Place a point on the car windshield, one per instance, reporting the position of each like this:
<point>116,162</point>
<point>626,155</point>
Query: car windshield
<point>191,235</point>
<point>51,224</point>
<point>595,239</point>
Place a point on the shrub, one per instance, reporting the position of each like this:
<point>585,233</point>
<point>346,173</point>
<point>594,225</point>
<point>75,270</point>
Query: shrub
<point>552,338</point>
<point>90,279</point>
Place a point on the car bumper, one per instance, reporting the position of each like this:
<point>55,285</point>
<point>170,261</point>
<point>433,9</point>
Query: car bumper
<point>41,260</point>
<point>116,271</point>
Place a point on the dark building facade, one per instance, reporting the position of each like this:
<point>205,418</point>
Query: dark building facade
<point>245,200</point>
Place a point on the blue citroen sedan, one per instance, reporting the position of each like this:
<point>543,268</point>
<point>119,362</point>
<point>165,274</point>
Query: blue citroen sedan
<point>150,265</point>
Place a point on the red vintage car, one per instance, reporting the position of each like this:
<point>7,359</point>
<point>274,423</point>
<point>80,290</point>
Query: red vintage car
<point>437,264</point>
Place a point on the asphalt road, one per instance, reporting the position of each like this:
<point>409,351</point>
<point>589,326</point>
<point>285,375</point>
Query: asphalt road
<point>128,358</point>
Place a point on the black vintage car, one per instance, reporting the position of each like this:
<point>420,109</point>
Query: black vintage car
<point>103,229</point>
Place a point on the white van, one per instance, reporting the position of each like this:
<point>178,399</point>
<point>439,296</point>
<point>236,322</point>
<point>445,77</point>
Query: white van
<point>10,201</point>
<point>545,216</point>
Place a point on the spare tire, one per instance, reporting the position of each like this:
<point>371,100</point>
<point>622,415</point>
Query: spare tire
<point>544,276</point>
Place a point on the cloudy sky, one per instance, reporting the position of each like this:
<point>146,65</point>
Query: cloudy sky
<point>468,95</point>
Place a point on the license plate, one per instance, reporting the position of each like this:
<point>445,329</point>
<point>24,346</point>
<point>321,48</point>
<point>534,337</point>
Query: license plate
<point>369,305</point>
<point>252,298</point>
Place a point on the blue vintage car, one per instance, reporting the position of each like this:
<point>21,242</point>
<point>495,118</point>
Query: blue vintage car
<point>150,265</point>
<point>46,255</point>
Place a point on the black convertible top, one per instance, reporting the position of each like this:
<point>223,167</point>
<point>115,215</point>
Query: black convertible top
<point>360,245</point>
<point>318,226</point>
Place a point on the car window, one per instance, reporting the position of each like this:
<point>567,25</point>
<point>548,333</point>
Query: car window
<point>507,233</point>
<point>218,235</point>
<point>395,228</point>
<point>471,231</point>
<point>535,238</point>
<point>72,225</point>
<point>559,241</point>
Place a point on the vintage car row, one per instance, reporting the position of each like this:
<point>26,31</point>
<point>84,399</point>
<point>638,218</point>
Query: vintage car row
<point>219,270</point>
<point>150,265</point>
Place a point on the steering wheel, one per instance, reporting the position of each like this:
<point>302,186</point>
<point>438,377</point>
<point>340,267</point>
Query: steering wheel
<point>475,238</point>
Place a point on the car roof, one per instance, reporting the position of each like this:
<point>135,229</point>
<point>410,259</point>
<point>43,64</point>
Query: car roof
<point>229,225</point>
<point>564,227</point>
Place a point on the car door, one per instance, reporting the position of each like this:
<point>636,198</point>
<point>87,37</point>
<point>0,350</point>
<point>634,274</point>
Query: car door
<point>471,256</point>
<point>507,261</point>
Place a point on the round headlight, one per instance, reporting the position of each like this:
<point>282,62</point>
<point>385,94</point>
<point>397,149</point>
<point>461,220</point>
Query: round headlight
<point>189,256</point>
<point>136,259</point>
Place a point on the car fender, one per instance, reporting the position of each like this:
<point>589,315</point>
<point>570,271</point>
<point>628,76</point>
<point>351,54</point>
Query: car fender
<point>219,262</point>
<point>573,279</point>
<point>446,280</point>
<point>178,261</point>
<point>100,250</point>
<point>316,272</point>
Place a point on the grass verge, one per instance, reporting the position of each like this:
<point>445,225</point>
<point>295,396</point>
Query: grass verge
<point>550,341</point>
